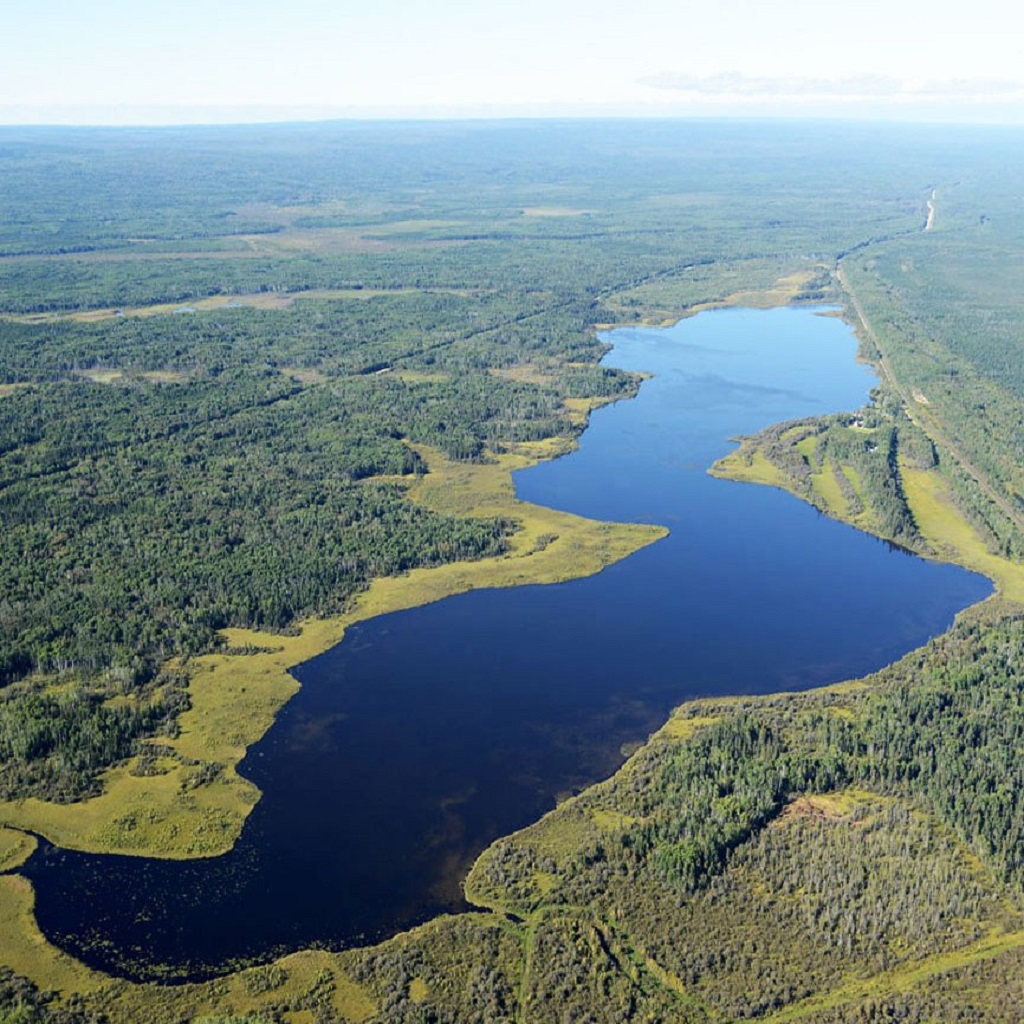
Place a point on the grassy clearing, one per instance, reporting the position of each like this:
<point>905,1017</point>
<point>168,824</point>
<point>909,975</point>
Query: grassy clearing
<point>826,486</point>
<point>755,284</point>
<point>553,211</point>
<point>27,952</point>
<point>268,300</point>
<point>952,536</point>
<point>15,848</point>
<point>749,465</point>
<point>680,728</point>
<point>265,300</point>
<point>101,376</point>
<point>413,227</point>
<point>257,300</point>
<point>422,376</point>
<point>807,446</point>
<point>838,806</point>
<point>579,410</point>
<point>526,373</point>
<point>307,241</point>
<point>338,241</point>
<point>304,374</point>
<point>781,293</point>
<point>111,376</point>
<point>824,480</point>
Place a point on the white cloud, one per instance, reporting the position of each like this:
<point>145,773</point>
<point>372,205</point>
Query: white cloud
<point>736,86</point>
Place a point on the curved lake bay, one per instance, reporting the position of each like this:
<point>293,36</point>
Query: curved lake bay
<point>428,733</point>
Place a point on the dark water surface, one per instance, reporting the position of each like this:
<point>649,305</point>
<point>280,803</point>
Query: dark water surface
<point>428,733</point>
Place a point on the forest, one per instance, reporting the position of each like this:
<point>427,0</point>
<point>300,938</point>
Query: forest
<point>169,470</point>
<point>222,352</point>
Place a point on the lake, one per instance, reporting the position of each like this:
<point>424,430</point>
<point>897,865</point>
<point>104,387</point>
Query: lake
<point>428,733</point>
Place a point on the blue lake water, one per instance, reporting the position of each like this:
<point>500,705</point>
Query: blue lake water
<point>428,733</point>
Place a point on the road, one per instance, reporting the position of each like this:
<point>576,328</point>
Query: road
<point>923,418</point>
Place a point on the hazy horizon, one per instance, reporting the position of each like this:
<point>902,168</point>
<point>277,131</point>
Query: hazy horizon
<point>225,61</point>
<point>159,116</point>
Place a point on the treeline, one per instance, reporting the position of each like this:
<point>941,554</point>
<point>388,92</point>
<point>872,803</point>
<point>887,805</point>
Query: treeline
<point>147,550</point>
<point>81,189</point>
<point>945,728</point>
<point>860,456</point>
<point>422,331</point>
<point>945,365</point>
<point>141,518</point>
<point>22,1002</point>
<point>95,220</point>
<point>51,744</point>
<point>877,800</point>
<point>336,337</point>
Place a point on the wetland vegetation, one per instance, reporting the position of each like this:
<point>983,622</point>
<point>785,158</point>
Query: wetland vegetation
<point>196,500</point>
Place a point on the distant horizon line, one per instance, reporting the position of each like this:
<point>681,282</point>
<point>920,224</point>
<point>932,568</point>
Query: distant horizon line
<point>240,115</point>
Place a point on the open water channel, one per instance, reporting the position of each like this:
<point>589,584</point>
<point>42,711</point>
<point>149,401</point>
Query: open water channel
<point>428,733</point>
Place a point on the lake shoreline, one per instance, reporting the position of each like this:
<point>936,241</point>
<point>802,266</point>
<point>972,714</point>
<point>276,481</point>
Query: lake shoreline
<point>452,480</point>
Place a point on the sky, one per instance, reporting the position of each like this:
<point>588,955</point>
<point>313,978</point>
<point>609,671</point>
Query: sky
<point>115,61</point>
